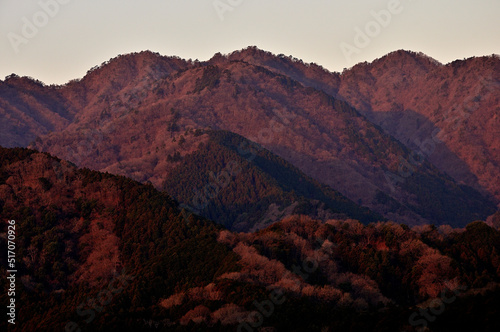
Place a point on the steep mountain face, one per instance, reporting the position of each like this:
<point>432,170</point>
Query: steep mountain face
<point>449,113</point>
<point>325,138</point>
<point>100,252</point>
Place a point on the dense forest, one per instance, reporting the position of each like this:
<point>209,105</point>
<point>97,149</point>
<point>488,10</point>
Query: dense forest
<point>100,252</point>
<point>237,183</point>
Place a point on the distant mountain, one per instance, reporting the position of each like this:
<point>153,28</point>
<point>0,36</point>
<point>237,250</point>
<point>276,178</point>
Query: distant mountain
<point>413,97</point>
<point>29,109</point>
<point>458,104</point>
<point>135,111</point>
<point>100,252</point>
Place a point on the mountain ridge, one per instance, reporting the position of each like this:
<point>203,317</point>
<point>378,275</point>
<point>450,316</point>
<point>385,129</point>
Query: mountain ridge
<point>401,90</point>
<point>229,94</point>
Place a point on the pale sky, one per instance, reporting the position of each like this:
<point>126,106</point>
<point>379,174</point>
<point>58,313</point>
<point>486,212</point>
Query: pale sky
<point>59,40</point>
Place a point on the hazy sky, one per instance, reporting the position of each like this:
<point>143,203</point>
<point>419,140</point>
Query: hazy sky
<point>58,40</point>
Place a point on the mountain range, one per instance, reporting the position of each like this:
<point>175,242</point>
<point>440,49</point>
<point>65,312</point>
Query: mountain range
<point>251,192</point>
<point>408,138</point>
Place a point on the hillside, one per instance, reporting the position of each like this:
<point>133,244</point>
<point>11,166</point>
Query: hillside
<point>78,229</point>
<point>29,109</point>
<point>81,233</point>
<point>322,136</point>
<point>413,97</point>
<point>457,104</point>
<point>246,188</point>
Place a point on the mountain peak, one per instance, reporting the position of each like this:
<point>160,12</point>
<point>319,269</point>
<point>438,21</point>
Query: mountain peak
<point>139,64</point>
<point>251,51</point>
<point>255,55</point>
<point>22,81</point>
<point>402,53</point>
<point>404,59</point>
